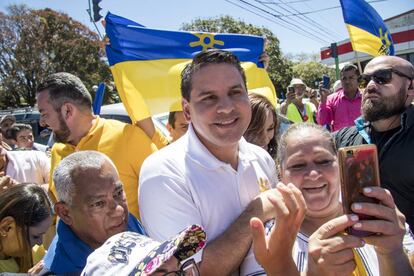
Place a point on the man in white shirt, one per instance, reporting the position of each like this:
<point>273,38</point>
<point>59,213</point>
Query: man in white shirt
<point>211,176</point>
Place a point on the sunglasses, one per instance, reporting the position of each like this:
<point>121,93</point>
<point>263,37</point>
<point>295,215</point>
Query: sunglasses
<point>382,76</point>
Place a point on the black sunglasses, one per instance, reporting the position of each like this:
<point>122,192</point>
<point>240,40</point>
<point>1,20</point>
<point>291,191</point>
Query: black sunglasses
<point>382,76</point>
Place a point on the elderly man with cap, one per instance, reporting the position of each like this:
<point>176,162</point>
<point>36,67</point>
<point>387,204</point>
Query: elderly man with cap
<point>294,107</point>
<point>388,122</point>
<point>92,208</point>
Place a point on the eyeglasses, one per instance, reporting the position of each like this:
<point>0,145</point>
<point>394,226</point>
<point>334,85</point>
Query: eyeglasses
<point>382,76</point>
<point>189,268</point>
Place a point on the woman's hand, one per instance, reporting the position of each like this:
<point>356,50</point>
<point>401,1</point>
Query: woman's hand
<point>274,252</point>
<point>330,251</point>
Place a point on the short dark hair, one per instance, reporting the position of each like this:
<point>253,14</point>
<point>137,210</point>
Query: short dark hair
<point>171,119</point>
<point>202,59</point>
<point>65,87</point>
<point>12,132</point>
<point>350,67</point>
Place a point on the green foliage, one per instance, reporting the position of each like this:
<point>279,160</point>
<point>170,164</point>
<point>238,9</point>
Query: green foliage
<point>311,72</point>
<point>279,69</point>
<point>36,43</point>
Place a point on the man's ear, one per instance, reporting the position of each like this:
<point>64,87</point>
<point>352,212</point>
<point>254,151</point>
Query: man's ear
<point>6,224</point>
<point>67,110</point>
<point>410,89</point>
<point>169,127</point>
<point>62,210</point>
<point>186,109</point>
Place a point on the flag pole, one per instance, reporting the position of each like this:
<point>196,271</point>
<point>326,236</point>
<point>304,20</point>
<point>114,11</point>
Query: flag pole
<point>359,63</point>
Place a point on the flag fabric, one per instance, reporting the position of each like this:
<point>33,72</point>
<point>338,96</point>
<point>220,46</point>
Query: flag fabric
<point>367,31</point>
<point>99,96</point>
<point>147,63</point>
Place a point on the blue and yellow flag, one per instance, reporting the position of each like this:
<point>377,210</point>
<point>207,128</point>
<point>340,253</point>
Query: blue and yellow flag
<point>367,30</point>
<point>147,63</point>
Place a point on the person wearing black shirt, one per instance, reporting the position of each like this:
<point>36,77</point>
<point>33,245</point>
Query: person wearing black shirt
<point>388,121</point>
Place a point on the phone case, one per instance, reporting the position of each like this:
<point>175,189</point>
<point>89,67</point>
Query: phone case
<point>326,81</point>
<point>358,169</point>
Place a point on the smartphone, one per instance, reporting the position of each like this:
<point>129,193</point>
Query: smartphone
<point>326,81</point>
<point>358,169</point>
<point>291,89</point>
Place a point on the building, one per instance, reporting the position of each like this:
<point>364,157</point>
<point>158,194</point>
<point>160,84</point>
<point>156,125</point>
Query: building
<point>402,31</point>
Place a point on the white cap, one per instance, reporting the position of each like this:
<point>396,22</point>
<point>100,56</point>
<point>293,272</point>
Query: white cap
<point>130,253</point>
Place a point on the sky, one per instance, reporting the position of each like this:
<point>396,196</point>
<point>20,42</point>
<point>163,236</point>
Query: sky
<point>316,30</point>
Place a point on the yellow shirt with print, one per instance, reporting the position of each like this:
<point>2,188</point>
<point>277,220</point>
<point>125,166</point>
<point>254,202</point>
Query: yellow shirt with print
<point>126,145</point>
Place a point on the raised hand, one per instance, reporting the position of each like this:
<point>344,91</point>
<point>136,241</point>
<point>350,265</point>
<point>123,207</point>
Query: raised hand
<point>330,251</point>
<point>389,225</point>
<point>274,252</point>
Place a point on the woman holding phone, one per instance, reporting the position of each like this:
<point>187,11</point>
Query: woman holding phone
<point>308,159</point>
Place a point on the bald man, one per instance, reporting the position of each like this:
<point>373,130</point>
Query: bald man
<point>388,121</point>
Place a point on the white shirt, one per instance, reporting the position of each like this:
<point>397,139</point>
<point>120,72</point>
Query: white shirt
<point>300,254</point>
<point>28,166</point>
<point>184,184</point>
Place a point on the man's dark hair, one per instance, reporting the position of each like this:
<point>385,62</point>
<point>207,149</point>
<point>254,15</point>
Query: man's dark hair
<point>202,59</point>
<point>12,132</point>
<point>171,119</point>
<point>65,87</point>
<point>350,67</point>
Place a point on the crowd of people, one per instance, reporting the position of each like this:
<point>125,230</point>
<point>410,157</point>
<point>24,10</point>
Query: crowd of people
<point>227,194</point>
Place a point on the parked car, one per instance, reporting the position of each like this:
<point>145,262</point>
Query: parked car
<point>118,112</point>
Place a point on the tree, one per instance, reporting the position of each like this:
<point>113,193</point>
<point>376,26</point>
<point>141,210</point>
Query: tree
<point>279,70</point>
<point>36,43</point>
<point>311,72</point>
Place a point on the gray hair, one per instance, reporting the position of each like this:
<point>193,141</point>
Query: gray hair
<point>63,174</point>
<point>298,127</point>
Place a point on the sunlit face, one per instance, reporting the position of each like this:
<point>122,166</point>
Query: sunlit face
<point>53,119</point>
<point>12,244</point>
<point>180,126</point>
<point>219,107</point>
<point>25,139</point>
<point>299,90</point>
<point>349,81</point>
<point>311,165</point>
<point>5,125</point>
<point>382,101</point>
<point>99,209</point>
<point>263,138</point>
<point>36,232</point>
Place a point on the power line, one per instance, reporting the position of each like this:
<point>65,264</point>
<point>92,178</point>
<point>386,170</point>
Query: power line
<point>324,9</point>
<point>312,27</point>
<point>271,20</point>
<point>298,28</point>
<point>299,1</point>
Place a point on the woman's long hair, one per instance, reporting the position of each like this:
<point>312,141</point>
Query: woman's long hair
<point>255,131</point>
<point>29,205</point>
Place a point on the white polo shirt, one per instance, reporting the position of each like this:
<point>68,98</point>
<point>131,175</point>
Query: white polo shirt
<point>184,184</point>
<point>28,166</point>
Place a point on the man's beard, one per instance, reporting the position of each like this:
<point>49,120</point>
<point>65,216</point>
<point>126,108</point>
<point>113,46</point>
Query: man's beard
<point>62,134</point>
<point>384,107</point>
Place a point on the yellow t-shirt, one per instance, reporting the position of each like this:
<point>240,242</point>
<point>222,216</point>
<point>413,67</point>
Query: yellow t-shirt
<point>126,145</point>
<point>9,265</point>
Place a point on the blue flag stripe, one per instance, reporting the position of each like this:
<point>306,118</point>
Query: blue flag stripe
<point>129,42</point>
